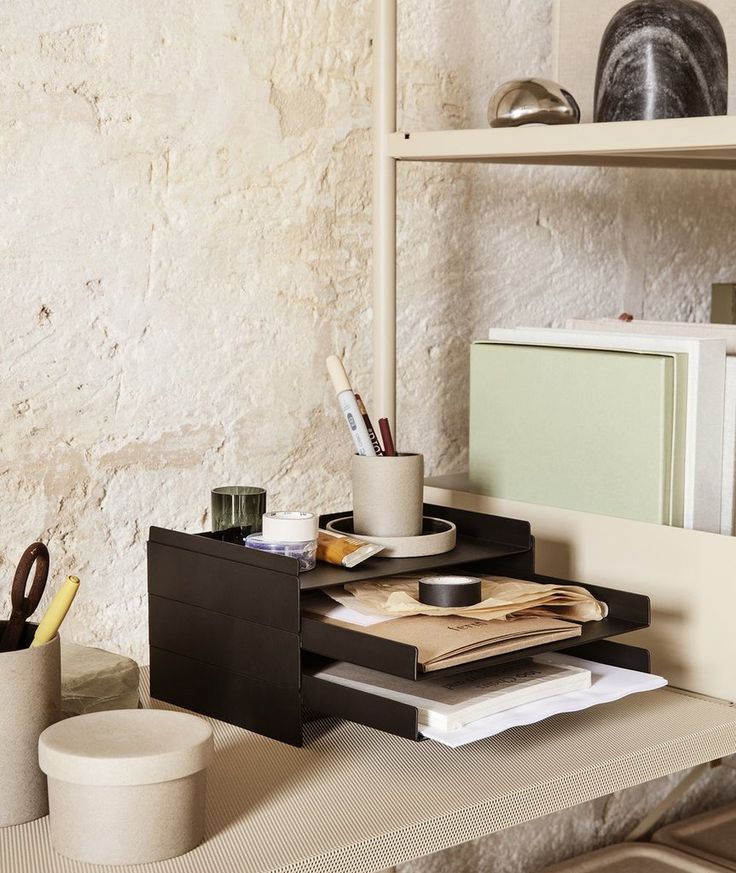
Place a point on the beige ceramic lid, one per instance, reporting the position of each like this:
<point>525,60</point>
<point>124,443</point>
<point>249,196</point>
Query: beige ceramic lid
<point>634,858</point>
<point>125,747</point>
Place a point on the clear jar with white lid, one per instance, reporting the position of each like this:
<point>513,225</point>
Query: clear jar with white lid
<point>292,534</point>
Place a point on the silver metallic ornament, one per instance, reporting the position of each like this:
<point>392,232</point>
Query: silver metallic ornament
<point>532,101</point>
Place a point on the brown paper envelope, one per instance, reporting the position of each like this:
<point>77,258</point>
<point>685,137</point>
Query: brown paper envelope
<point>398,596</point>
<point>501,647</point>
<point>448,640</point>
<point>463,640</point>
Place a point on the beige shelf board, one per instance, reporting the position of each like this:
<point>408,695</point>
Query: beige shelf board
<point>694,143</point>
<point>355,800</point>
<point>688,575</point>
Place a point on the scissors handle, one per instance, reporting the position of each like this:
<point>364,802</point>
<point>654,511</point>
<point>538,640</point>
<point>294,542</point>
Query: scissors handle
<point>24,605</point>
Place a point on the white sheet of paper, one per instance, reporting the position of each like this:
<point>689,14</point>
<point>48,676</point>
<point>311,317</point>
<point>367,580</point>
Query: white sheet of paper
<point>333,609</point>
<point>608,684</point>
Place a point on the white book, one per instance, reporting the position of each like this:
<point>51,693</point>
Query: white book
<point>705,404</point>
<point>726,332</point>
<point>451,702</point>
<point>608,684</point>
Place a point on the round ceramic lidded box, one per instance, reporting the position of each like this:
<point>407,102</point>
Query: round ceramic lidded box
<point>127,786</point>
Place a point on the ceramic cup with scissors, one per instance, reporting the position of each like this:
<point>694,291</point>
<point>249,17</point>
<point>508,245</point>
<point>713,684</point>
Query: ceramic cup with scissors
<point>30,695</point>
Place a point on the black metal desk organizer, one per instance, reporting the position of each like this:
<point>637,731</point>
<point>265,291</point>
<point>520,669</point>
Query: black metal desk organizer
<point>227,639</point>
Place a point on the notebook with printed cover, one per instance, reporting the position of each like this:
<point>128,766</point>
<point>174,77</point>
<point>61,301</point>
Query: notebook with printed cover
<point>451,702</point>
<point>621,430</point>
<point>725,332</point>
<point>585,429</point>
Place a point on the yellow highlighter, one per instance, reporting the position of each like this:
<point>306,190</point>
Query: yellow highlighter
<point>56,613</point>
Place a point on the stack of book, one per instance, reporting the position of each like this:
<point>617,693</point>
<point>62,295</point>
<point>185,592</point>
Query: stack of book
<point>451,702</point>
<point>629,419</point>
<point>462,708</point>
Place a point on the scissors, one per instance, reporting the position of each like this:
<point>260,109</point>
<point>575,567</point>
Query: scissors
<point>24,605</point>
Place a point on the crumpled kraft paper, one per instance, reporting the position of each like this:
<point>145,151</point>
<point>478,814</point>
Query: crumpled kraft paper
<point>502,598</point>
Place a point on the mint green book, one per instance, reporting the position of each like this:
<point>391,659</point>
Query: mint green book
<point>586,429</point>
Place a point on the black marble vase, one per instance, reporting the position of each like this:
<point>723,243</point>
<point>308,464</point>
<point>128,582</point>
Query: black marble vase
<point>662,59</point>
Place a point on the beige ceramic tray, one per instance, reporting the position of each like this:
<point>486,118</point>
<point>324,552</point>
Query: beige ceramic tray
<point>438,536</point>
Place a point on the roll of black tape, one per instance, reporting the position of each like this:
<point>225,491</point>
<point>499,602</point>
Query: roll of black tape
<point>449,591</point>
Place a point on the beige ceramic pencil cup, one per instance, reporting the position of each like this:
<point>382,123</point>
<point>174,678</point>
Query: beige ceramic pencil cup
<point>30,701</point>
<point>388,495</point>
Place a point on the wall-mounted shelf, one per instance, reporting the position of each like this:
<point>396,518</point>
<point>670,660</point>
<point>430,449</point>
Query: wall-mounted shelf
<point>364,800</point>
<point>685,143</point>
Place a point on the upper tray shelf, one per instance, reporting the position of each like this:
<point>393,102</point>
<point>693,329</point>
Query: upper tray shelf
<point>480,538</point>
<point>690,143</point>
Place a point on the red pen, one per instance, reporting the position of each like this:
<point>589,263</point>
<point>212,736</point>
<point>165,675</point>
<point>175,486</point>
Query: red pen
<point>388,442</point>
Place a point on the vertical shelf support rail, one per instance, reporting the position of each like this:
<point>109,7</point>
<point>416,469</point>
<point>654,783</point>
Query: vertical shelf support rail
<point>384,211</point>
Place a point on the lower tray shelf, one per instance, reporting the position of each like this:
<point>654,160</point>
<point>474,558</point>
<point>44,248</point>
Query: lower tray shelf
<point>402,720</point>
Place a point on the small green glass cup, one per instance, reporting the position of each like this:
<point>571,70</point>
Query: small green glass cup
<point>238,510</point>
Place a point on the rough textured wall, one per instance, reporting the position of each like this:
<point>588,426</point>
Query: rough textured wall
<point>185,235</point>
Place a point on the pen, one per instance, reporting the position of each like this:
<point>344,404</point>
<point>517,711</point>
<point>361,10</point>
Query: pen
<point>346,399</point>
<point>56,613</point>
<point>369,427</point>
<point>388,442</point>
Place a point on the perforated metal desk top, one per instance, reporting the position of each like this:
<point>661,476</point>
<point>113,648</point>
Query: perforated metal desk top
<point>356,800</point>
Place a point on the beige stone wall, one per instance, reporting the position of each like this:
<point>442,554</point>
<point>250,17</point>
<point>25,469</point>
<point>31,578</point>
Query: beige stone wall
<point>185,235</point>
